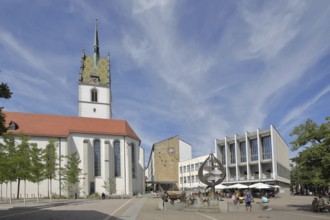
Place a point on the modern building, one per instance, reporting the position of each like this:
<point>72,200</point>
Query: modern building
<point>162,168</point>
<point>188,173</point>
<point>108,149</point>
<point>260,156</point>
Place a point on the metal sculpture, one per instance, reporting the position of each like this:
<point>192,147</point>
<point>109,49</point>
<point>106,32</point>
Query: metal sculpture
<point>215,173</point>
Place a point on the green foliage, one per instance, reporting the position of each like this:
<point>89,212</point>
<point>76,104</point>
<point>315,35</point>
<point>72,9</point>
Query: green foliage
<point>110,186</point>
<point>8,167</point>
<point>22,158</point>
<point>49,157</point>
<point>5,91</point>
<point>312,165</point>
<point>6,94</point>
<point>37,170</point>
<point>15,160</point>
<point>71,172</point>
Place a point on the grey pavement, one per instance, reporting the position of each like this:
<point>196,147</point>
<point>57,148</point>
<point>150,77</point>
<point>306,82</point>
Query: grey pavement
<point>286,207</point>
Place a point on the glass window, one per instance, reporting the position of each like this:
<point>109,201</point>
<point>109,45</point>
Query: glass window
<point>196,166</point>
<point>266,147</point>
<point>242,149</point>
<point>223,154</point>
<point>97,158</point>
<point>133,161</point>
<point>184,169</point>
<point>192,167</point>
<point>94,95</point>
<point>232,153</point>
<point>117,158</point>
<point>180,169</point>
<point>254,149</point>
<point>188,168</point>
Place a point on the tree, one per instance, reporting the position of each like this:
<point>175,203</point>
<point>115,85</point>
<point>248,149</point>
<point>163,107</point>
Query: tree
<point>49,158</point>
<point>3,163</point>
<point>312,168</point>
<point>110,186</point>
<point>37,171</point>
<point>6,94</point>
<point>71,173</point>
<point>22,161</point>
<point>8,168</point>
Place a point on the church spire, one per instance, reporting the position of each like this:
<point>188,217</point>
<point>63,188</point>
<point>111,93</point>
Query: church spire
<point>96,54</point>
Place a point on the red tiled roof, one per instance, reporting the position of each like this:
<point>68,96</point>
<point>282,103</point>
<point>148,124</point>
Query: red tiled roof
<point>62,126</point>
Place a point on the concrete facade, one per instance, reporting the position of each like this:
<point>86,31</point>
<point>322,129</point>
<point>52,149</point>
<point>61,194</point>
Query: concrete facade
<point>260,156</point>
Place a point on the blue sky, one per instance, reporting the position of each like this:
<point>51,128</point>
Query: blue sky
<point>198,69</point>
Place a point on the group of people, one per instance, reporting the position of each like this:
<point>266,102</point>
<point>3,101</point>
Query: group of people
<point>248,198</point>
<point>319,204</point>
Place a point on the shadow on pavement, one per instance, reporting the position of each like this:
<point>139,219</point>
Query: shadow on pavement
<point>41,212</point>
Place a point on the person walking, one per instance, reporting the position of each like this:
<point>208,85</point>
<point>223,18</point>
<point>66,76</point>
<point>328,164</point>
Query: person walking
<point>248,200</point>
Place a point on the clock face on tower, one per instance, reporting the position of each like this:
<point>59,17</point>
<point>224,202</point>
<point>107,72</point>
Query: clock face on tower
<point>171,150</point>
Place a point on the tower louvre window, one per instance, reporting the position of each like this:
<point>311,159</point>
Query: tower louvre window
<point>94,95</point>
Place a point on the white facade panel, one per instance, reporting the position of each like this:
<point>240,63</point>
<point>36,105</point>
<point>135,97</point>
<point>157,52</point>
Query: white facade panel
<point>184,150</point>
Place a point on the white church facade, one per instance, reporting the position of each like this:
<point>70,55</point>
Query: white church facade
<point>108,149</point>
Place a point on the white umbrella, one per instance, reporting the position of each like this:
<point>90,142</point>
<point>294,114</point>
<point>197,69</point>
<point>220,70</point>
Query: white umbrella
<point>237,186</point>
<point>260,186</point>
<point>220,186</point>
<point>276,186</point>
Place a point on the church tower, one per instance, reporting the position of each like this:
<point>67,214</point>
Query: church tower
<point>95,84</point>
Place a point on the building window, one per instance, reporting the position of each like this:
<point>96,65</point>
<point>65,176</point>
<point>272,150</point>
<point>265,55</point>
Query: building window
<point>223,154</point>
<point>117,159</point>
<point>180,169</point>
<point>184,179</point>
<point>266,147</point>
<point>12,126</point>
<point>133,161</point>
<point>192,167</point>
<point>232,153</point>
<point>184,169</point>
<point>97,158</point>
<point>254,149</point>
<point>188,168</point>
<point>196,166</point>
<point>94,95</point>
<point>242,149</point>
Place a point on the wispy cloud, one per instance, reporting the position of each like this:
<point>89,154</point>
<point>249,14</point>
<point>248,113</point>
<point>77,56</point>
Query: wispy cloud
<point>301,109</point>
<point>201,71</point>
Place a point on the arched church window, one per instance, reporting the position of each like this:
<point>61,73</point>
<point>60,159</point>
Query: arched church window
<point>117,158</point>
<point>94,95</point>
<point>133,161</point>
<point>97,158</point>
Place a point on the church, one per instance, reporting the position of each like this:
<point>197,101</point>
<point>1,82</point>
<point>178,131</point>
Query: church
<point>109,149</point>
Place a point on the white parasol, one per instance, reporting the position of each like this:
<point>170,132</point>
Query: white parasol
<point>260,186</point>
<point>237,186</point>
